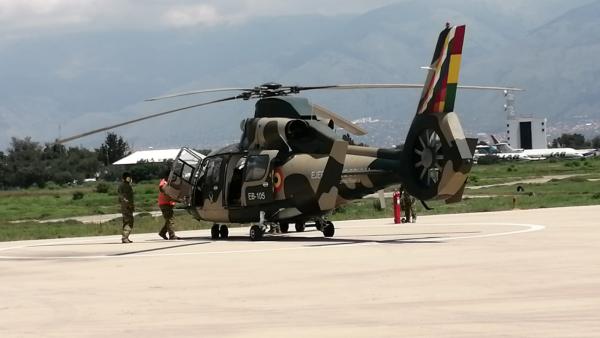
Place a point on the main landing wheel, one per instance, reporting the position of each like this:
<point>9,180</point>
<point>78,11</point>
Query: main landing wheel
<point>328,229</point>
<point>300,227</point>
<point>256,233</point>
<point>284,227</point>
<point>224,231</point>
<point>214,231</point>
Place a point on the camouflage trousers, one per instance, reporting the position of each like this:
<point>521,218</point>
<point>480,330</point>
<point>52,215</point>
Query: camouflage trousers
<point>409,211</point>
<point>168,214</point>
<point>127,222</point>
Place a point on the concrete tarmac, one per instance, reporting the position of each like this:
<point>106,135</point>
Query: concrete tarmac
<point>529,273</point>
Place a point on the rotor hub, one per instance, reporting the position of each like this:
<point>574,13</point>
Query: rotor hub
<point>427,157</point>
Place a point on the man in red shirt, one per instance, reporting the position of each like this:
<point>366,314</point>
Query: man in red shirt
<point>166,204</point>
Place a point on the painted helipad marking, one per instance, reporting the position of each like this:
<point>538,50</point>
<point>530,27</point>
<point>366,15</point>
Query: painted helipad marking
<point>528,228</point>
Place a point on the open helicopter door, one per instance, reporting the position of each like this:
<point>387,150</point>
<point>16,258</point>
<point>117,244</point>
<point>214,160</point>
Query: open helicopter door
<point>185,167</point>
<point>257,187</point>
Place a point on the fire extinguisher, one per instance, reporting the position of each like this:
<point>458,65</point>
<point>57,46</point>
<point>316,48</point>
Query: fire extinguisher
<point>397,209</point>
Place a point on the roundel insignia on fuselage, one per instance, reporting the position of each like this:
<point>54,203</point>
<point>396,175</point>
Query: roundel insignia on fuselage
<point>277,180</point>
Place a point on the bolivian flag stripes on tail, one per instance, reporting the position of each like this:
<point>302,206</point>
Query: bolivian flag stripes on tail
<point>442,79</point>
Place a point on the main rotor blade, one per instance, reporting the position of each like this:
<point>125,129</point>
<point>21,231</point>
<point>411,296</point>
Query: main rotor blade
<point>400,86</point>
<point>363,86</point>
<point>340,121</point>
<point>64,140</point>
<point>198,92</point>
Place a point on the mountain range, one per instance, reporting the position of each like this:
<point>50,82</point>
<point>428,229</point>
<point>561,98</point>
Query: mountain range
<point>58,84</point>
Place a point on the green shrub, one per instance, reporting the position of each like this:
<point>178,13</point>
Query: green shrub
<point>488,160</point>
<point>102,188</point>
<point>572,164</point>
<point>52,186</point>
<point>78,195</point>
<point>377,204</point>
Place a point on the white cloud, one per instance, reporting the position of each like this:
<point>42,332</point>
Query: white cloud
<point>32,17</point>
<point>28,14</point>
<point>39,16</point>
<point>192,15</point>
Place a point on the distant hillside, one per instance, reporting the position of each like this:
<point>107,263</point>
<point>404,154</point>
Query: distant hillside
<point>69,83</point>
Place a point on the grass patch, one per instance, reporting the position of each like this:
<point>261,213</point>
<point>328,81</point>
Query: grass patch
<point>143,223</point>
<point>58,202</point>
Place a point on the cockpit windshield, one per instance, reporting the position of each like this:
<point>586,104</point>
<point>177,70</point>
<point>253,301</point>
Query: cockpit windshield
<point>256,167</point>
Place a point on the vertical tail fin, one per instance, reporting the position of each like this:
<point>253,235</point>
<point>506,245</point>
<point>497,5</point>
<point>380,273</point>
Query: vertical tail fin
<point>438,154</point>
<point>494,139</point>
<point>439,91</point>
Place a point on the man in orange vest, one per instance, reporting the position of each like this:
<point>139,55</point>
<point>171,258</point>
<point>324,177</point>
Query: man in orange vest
<point>166,204</point>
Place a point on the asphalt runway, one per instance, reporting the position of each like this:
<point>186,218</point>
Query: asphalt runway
<point>530,273</point>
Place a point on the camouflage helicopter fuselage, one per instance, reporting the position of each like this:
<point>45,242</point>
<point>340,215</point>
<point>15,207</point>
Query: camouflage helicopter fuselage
<point>308,170</point>
<point>291,166</point>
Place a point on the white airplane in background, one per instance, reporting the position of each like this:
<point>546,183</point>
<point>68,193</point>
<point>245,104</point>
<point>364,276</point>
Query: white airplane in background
<point>504,147</point>
<point>493,150</point>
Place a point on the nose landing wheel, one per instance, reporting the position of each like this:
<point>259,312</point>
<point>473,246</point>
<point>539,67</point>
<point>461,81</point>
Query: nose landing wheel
<point>327,228</point>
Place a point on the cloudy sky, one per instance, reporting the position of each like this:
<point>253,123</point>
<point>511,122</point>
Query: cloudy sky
<point>18,17</point>
<point>68,62</point>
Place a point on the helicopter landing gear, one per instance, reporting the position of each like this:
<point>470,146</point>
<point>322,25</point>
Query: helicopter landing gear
<point>300,226</point>
<point>219,230</point>
<point>256,233</point>
<point>224,231</point>
<point>319,225</point>
<point>214,231</point>
<point>328,229</point>
<point>258,230</point>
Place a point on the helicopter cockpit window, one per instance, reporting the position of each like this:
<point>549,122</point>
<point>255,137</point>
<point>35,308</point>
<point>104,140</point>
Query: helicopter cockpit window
<point>256,167</point>
<point>213,171</point>
<point>183,170</point>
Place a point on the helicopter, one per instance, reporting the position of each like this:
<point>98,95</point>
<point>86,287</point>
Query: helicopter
<point>290,166</point>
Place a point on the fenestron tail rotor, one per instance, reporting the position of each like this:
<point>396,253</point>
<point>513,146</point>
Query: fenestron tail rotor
<point>428,158</point>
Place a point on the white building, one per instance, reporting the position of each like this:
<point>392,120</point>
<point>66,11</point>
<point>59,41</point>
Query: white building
<point>527,133</point>
<point>154,156</point>
<point>524,132</point>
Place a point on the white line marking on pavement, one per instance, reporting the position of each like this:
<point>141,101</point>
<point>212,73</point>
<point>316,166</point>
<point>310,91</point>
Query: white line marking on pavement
<point>340,244</point>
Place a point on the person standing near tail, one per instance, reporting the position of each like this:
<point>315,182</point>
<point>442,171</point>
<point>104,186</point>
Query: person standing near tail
<point>166,205</point>
<point>407,203</point>
<point>125,192</point>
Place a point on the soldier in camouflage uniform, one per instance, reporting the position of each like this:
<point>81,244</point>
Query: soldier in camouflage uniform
<point>127,207</point>
<point>407,204</point>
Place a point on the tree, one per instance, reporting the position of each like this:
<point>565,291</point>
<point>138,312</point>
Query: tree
<point>570,141</point>
<point>3,170</point>
<point>113,149</point>
<point>596,142</point>
<point>144,171</point>
<point>24,164</point>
